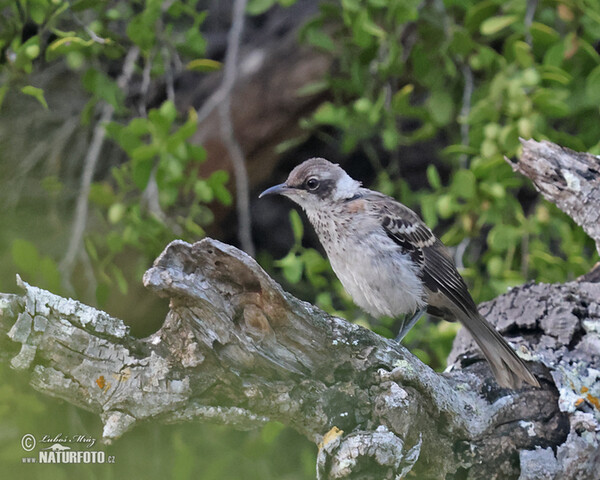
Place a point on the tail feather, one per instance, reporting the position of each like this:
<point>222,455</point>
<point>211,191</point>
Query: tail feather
<point>510,371</point>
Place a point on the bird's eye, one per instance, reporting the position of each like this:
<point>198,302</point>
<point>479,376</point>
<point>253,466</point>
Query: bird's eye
<point>312,183</point>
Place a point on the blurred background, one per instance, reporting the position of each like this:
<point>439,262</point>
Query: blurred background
<point>127,124</point>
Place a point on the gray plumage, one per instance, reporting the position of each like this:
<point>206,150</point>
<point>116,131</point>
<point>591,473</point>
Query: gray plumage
<point>389,261</point>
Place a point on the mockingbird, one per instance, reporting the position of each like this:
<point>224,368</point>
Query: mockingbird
<point>389,261</point>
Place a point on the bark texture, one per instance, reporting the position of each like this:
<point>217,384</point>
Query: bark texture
<point>569,179</point>
<point>237,349</point>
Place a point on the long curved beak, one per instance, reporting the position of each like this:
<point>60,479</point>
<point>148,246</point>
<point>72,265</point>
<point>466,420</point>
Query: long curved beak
<point>275,190</point>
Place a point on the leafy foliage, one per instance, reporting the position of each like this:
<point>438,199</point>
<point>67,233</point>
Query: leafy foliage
<point>157,194</point>
<point>479,75</point>
<point>163,172</point>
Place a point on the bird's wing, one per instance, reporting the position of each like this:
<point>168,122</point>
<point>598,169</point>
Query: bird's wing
<point>415,239</point>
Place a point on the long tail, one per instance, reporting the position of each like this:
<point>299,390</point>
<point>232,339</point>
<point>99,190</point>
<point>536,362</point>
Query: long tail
<point>510,371</point>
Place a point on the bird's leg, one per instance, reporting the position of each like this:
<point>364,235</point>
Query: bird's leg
<point>408,324</point>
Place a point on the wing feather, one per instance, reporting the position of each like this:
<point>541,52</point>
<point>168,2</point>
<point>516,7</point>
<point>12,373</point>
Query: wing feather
<point>416,239</point>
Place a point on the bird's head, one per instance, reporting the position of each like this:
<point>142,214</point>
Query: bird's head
<point>316,183</point>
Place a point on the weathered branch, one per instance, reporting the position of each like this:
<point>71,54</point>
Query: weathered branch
<point>569,179</point>
<point>236,349</point>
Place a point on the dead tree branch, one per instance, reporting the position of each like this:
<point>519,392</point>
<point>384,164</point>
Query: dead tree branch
<point>237,349</point>
<point>569,179</point>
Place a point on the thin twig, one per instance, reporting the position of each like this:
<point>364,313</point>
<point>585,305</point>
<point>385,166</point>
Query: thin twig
<point>465,111</point>
<point>529,14</point>
<point>89,166</point>
<point>230,70</point>
<point>459,253</point>
<point>235,151</point>
<point>169,77</point>
<point>93,35</point>
<point>145,85</point>
<point>221,99</point>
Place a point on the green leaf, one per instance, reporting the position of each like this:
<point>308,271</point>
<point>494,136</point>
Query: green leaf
<point>38,10</point>
<point>91,249</point>
<point>292,267</point>
<point>429,210</point>
<point>168,111</point>
<point>464,184</point>
<point>493,25</point>
<point>142,28</point>
<point>79,6</point>
<point>401,98</point>
<point>433,177</point>
<point>196,153</point>
<point>459,149</point>
<point>495,266</point>
<point>297,226</point>
<point>441,107</point>
<point>144,152</point>
<point>319,39</point>
<point>445,206</point>
<point>461,43</point>
<point>550,103</point>
<point>194,228</point>
<point>555,55</point>
<point>542,34</point>
<point>116,212</point>
<point>256,7</point>
<point>592,86</point>
<point>522,51</point>
<point>138,127</point>
<point>25,256</point>
<point>390,138</point>
<point>36,93</point>
<point>120,279</point>
<point>312,88</point>
<point>217,182</point>
<point>204,65</point>
<point>478,12</point>
<point>141,170</point>
<point>184,132</point>
<point>160,124</point>
<point>556,74</point>
<point>328,114</point>
<point>502,237</point>
<point>67,44</point>
<point>102,194</point>
<point>99,84</point>
<point>203,191</point>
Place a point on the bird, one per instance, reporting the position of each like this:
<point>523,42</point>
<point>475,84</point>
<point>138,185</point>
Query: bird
<point>389,260</point>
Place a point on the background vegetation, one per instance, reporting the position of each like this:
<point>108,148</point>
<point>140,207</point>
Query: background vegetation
<point>431,96</point>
